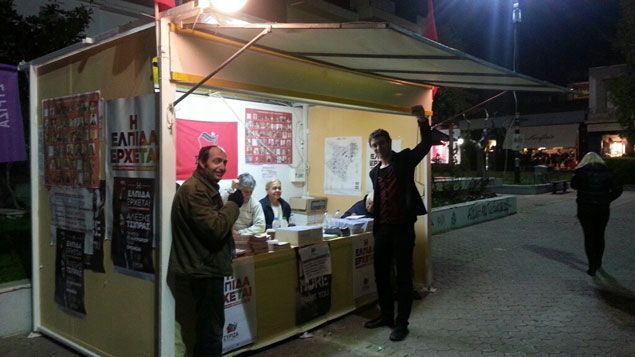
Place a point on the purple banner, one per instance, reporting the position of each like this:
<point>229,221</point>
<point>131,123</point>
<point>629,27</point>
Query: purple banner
<point>11,132</point>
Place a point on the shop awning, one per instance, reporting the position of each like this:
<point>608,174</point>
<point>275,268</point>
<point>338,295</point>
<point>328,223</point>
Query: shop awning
<point>380,49</point>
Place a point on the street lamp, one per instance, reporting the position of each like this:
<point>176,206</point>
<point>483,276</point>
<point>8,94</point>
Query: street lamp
<point>516,20</point>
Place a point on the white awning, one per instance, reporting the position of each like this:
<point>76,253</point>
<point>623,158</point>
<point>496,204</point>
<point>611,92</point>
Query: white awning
<point>533,137</point>
<point>381,49</point>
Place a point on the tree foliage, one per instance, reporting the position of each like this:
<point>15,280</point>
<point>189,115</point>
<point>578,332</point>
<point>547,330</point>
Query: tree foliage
<point>622,89</point>
<point>53,28</point>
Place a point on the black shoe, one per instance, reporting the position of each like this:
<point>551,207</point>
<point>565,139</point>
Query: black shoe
<point>591,272</point>
<point>378,322</point>
<point>399,333</point>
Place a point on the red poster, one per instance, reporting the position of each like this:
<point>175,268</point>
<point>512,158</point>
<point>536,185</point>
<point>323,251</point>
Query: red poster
<point>192,135</point>
<point>72,145</point>
<point>268,137</point>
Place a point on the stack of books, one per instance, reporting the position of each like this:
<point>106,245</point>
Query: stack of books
<point>258,244</point>
<point>275,245</point>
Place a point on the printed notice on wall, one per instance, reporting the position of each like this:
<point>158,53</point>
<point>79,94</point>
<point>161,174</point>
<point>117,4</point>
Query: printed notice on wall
<point>133,225</point>
<point>69,271</point>
<point>314,282</point>
<point>268,137</point>
<point>72,140</point>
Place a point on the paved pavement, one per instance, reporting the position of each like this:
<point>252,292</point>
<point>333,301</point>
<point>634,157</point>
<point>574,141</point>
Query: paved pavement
<point>513,286</point>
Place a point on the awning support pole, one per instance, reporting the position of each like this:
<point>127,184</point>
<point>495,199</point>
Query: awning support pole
<point>470,109</point>
<point>265,31</point>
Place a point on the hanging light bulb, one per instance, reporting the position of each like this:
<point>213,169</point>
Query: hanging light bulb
<point>228,5</point>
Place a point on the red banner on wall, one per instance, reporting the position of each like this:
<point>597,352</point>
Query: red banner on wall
<point>192,135</point>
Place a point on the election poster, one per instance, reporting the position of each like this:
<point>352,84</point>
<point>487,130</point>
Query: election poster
<point>268,137</point>
<point>95,261</point>
<point>72,210</point>
<point>192,135</point>
<point>69,271</point>
<point>240,305</point>
<point>133,141</point>
<point>72,140</point>
<point>363,271</point>
<point>314,282</point>
<point>133,225</point>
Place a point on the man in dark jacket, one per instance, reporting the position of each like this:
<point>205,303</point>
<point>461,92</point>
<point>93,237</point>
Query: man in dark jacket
<point>596,190</point>
<point>397,203</point>
<point>201,246</point>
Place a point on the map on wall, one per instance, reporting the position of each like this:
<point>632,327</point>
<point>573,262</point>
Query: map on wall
<point>343,165</point>
<point>268,137</point>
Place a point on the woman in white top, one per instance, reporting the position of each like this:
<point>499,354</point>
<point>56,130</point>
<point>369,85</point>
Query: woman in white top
<point>251,219</point>
<point>275,208</point>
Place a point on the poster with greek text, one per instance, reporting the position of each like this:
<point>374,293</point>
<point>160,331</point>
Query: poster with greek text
<point>343,165</point>
<point>133,225</point>
<point>95,261</point>
<point>240,305</point>
<point>314,282</point>
<point>71,209</point>
<point>268,137</point>
<point>133,141</point>
<point>72,140</point>
<point>69,271</point>
<point>363,271</point>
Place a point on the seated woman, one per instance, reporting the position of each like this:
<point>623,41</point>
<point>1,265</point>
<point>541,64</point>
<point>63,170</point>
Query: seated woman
<point>251,219</point>
<point>274,207</point>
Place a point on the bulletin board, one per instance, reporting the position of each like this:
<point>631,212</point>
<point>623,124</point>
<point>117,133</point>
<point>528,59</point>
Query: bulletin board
<point>120,310</point>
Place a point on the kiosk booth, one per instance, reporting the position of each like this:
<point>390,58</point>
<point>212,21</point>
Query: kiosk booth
<point>109,140</point>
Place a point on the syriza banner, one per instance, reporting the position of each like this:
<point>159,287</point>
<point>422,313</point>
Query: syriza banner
<point>192,135</point>
<point>11,131</point>
<point>363,271</point>
<point>240,305</point>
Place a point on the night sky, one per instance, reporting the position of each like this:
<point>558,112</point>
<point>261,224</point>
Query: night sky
<point>558,39</point>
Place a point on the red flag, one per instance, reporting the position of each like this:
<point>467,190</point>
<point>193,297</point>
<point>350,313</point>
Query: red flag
<point>431,31</point>
<point>165,4</point>
<point>192,135</point>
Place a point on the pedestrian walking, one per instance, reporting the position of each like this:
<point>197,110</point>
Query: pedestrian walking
<point>596,190</point>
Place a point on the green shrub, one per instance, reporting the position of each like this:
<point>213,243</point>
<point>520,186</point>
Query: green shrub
<point>623,169</point>
<point>15,249</point>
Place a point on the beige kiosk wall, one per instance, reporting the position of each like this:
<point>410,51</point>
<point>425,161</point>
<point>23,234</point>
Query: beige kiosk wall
<point>121,310</point>
<point>326,122</point>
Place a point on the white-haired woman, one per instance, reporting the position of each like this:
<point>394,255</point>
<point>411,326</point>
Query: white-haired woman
<point>274,207</point>
<point>251,219</point>
<point>596,190</point>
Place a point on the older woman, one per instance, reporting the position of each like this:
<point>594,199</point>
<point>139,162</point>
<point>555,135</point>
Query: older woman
<point>275,208</point>
<point>251,219</point>
<point>596,190</point>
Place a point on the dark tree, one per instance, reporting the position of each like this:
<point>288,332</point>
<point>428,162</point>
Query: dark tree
<point>622,89</point>
<point>27,38</point>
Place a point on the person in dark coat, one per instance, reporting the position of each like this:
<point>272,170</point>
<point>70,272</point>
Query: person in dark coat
<point>201,256</point>
<point>361,208</point>
<point>397,203</point>
<point>274,207</point>
<point>596,190</point>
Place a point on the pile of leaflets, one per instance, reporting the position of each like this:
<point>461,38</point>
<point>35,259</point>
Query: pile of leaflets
<point>258,244</point>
